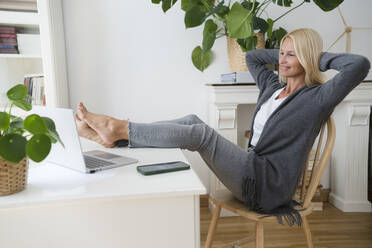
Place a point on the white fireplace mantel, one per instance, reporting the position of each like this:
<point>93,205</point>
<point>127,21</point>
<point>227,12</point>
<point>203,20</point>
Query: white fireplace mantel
<point>349,160</point>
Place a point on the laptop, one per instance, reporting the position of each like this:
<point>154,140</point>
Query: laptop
<point>72,156</point>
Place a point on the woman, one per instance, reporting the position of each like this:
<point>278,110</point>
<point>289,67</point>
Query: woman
<point>290,111</point>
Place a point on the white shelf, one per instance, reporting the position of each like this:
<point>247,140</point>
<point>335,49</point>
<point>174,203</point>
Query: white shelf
<point>20,56</point>
<point>19,18</point>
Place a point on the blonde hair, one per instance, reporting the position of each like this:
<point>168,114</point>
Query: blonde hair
<point>308,46</point>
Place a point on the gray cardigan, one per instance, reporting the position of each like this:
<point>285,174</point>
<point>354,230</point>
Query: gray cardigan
<point>280,154</point>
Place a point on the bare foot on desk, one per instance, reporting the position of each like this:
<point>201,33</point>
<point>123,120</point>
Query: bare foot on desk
<point>108,128</point>
<point>85,131</point>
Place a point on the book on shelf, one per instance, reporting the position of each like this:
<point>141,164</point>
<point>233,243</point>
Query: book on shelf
<point>237,77</point>
<point>9,50</point>
<point>3,35</point>
<point>7,30</point>
<point>8,40</point>
<point>7,46</point>
<point>35,88</point>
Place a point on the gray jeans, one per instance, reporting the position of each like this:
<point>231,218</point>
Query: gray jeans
<point>224,158</point>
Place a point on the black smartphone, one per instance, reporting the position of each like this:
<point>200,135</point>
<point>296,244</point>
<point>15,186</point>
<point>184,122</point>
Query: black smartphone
<point>152,169</point>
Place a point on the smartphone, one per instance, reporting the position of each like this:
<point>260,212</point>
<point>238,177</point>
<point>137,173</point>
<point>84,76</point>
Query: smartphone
<point>152,169</point>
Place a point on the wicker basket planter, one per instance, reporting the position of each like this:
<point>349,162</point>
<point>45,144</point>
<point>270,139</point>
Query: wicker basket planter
<point>13,176</point>
<point>237,56</point>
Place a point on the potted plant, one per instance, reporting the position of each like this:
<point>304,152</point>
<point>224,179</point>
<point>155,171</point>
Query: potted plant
<point>240,21</point>
<point>22,139</point>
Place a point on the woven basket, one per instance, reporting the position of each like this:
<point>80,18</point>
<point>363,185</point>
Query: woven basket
<point>237,56</point>
<point>13,176</point>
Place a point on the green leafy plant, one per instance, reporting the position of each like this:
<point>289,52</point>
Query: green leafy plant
<point>240,20</point>
<point>32,137</point>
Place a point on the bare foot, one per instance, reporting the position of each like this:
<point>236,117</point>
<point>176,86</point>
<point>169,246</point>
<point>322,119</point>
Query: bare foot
<point>108,128</point>
<point>85,131</point>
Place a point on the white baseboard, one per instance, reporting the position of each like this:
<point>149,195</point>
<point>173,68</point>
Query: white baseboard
<point>349,206</point>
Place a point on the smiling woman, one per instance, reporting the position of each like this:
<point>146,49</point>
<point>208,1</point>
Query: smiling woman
<point>290,68</point>
<point>299,59</point>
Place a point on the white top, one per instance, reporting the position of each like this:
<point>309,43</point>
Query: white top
<point>49,183</point>
<point>266,109</point>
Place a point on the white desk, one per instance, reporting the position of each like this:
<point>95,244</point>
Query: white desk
<point>113,208</point>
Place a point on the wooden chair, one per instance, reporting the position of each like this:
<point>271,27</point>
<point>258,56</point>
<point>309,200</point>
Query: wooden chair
<point>228,201</point>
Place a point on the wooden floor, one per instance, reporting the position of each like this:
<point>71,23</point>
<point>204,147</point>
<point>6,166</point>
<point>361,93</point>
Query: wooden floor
<point>330,228</point>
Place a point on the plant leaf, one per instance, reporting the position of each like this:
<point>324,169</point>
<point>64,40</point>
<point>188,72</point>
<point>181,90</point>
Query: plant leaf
<point>17,124</point>
<point>209,35</point>
<point>239,22</point>
<point>204,8</point>
<point>23,104</point>
<point>274,41</point>
<point>38,147</point>
<point>4,120</point>
<point>288,3</point>
<point>221,10</point>
<point>35,124</point>
<point>13,147</point>
<point>279,33</point>
<point>155,1</point>
<point>285,3</point>
<point>15,118</point>
<point>328,5</point>
<point>194,17</point>
<point>18,92</point>
<point>53,140</point>
<point>167,4</point>
<point>185,4</point>
<point>259,23</point>
<point>201,59</point>
<point>270,22</point>
<point>52,130</point>
<point>248,5</point>
<point>248,43</point>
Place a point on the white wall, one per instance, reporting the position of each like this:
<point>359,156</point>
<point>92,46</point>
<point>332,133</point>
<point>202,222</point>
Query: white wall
<point>129,60</point>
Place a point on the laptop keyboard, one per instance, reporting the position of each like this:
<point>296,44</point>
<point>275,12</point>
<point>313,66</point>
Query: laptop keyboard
<point>93,163</point>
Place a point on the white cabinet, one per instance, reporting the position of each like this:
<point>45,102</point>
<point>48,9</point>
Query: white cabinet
<point>48,58</point>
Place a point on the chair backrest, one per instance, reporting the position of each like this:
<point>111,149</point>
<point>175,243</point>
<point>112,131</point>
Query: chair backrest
<point>321,159</point>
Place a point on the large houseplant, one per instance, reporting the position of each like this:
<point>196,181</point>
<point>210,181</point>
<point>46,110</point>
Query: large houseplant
<point>240,20</point>
<point>21,139</point>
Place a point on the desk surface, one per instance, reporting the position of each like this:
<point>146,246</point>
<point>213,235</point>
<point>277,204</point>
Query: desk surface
<point>49,183</point>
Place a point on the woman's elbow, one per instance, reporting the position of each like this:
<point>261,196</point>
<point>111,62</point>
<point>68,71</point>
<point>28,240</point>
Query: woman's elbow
<point>364,65</point>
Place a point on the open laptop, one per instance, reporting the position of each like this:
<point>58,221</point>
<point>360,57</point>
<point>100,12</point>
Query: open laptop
<point>72,156</point>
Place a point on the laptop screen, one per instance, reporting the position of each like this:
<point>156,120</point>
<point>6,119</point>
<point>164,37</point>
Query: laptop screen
<point>71,156</point>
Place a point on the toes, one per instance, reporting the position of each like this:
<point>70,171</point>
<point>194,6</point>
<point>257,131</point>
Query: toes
<point>81,113</point>
<point>82,108</point>
<point>77,117</point>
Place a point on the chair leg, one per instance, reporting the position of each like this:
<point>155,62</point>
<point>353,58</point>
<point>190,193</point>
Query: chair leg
<point>306,227</point>
<point>259,235</point>
<point>213,226</point>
